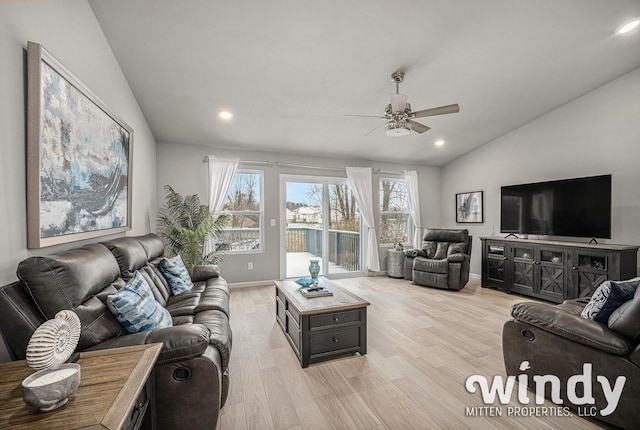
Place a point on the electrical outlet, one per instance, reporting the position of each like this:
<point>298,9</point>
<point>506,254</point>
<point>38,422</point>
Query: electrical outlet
<point>273,222</point>
<point>250,265</point>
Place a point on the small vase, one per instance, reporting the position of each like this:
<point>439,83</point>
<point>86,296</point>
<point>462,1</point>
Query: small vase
<point>314,269</point>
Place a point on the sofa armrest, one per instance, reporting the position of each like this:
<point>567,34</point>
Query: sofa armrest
<point>457,258</point>
<point>559,321</point>
<point>413,253</point>
<point>204,272</point>
<point>179,342</point>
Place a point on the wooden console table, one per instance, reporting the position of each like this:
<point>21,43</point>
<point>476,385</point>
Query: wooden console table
<point>115,392</point>
<point>321,327</point>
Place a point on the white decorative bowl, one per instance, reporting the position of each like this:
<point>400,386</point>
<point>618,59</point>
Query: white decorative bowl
<point>50,389</point>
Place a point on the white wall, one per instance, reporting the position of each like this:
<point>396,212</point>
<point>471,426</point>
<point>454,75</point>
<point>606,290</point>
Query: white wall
<point>69,30</point>
<point>598,133</point>
<point>181,167</point>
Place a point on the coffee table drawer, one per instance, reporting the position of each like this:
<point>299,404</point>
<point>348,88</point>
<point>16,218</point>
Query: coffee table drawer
<point>335,318</point>
<point>335,340</point>
<point>280,312</point>
<point>293,333</point>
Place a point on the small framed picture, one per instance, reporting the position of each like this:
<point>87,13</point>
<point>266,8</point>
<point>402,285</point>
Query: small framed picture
<point>470,207</point>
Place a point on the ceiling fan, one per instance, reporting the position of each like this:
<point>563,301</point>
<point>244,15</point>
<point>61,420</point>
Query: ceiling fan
<point>399,119</point>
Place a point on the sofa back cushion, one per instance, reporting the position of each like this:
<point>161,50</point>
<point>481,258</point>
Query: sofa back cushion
<point>138,254</point>
<point>153,245</point>
<point>446,235</point>
<point>440,243</point>
<point>129,253</point>
<point>79,280</point>
<point>626,319</point>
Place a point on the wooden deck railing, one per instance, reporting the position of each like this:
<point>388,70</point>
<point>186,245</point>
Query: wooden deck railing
<point>344,246</point>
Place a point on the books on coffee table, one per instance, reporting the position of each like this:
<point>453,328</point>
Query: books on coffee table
<point>312,292</point>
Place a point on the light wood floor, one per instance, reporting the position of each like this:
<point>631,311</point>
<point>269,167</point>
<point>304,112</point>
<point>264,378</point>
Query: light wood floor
<point>423,343</point>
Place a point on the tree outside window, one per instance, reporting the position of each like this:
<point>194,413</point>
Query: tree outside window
<point>244,206</point>
<point>394,211</point>
<point>342,209</point>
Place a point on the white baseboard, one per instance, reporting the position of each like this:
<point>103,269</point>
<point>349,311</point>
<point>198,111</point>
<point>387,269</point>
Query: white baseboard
<point>250,284</point>
<point>475,276</point>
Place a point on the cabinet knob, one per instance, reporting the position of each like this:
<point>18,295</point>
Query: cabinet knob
<point>574,268</point>
<point>335,340</point>
<point>336,319</point>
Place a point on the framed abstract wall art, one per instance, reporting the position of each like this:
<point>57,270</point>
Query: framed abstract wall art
<point>79,158</point>
<point>469,207</point>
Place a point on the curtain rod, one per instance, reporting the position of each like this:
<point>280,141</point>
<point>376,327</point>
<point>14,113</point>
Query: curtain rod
<point>250,162</point>
<point>302,166</point>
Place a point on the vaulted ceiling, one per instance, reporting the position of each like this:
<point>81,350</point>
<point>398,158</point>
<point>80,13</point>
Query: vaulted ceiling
<point>289,70</point>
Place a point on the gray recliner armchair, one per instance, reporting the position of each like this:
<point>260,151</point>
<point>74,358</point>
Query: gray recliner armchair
<point>443,261</point>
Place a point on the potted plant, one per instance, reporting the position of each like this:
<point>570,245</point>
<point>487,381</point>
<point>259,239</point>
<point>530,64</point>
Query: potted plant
<point>186,225</point>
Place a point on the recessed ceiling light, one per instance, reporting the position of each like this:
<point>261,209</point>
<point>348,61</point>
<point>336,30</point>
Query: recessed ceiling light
<point>631,25</point>
<point>225,114</point>
<point>438,142</point>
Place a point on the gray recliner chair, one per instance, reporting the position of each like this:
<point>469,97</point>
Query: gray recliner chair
<point>443,261</point>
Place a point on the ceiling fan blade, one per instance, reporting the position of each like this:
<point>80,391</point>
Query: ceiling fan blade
<point>418,128</point>
<point>441,110</point>
<point>366,116</point>
<point>378,127</point>
<point>398,103</point>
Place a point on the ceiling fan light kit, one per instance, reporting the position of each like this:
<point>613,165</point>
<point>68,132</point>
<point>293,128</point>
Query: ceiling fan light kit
<point>398,127</point>
<point>398,114</point>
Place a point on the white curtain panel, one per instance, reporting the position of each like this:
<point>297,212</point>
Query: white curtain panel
<point>360,179</point>
<point>411,178</point>
<point>221,173</point>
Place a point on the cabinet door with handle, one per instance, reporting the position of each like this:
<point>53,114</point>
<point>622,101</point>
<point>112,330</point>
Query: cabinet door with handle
<point>522,263</point>
<point>589,269</point>
<point>495,265</point>
<point>550,274</point>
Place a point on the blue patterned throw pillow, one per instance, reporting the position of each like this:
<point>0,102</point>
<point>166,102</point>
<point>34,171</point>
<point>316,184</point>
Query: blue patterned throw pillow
<point>135,307</point>
<point>621,292</point>
<point>608,297</point>
<point>176,274</point>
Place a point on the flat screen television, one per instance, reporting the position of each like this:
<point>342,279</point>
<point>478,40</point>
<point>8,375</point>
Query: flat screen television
<point>579,207</point>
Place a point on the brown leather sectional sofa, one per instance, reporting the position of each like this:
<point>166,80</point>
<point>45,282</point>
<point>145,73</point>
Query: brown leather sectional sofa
<point>191,374</point>
<point>584,361</point>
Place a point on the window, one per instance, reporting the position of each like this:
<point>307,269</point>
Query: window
<point>394,211</point>
<point>244,207</point>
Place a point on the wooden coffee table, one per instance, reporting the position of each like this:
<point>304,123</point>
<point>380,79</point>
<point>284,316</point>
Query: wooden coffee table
<point>321,327</point>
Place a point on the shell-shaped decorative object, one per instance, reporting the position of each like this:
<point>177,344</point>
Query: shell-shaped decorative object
<point>54,341</point>
<point>73,320</point>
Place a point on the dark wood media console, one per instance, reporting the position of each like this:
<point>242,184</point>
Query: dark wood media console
<point>553,270</point>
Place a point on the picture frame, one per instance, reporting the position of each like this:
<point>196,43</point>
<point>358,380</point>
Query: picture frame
<point>79,158</point>
<point>470,207</point>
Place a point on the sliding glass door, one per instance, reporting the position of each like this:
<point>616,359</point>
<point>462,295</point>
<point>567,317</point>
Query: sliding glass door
<point>322,223</point>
